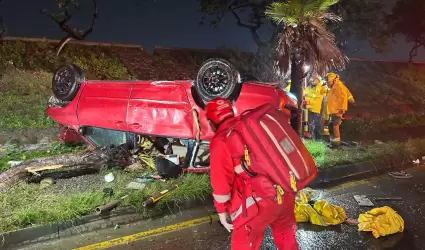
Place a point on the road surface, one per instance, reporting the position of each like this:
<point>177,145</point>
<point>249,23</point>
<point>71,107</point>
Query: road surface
<point>194,229</point>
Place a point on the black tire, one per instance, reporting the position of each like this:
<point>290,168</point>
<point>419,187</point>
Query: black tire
<point>217,78</point>
<point>66,82</point>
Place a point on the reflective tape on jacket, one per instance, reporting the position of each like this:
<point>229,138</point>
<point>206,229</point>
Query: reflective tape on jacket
<point>238,169</point>
<point>221,198</point>
<point>249,202</point>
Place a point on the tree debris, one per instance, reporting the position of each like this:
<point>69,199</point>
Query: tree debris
<point>69,165</point>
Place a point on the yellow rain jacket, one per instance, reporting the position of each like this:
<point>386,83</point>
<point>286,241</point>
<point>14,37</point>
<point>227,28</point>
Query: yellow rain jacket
<point>381,221</point>
<point>322,213</point>
<point>288,87</point>
<point>314,97</point>
<point>338,98</point>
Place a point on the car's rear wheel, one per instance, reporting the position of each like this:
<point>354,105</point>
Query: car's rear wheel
<point>217,78</point>
<point>66,82</point>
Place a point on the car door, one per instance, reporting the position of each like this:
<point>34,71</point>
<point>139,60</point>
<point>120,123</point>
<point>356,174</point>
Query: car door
<point>162,109</point>
<point>104,104</point>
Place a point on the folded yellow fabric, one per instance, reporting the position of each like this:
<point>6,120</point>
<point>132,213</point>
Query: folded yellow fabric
<point>381,221</point>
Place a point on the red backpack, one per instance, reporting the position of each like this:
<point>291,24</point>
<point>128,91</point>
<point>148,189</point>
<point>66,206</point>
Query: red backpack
<point>270,152</point>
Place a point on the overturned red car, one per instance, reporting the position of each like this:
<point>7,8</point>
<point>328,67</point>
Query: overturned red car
<point>100,111</point>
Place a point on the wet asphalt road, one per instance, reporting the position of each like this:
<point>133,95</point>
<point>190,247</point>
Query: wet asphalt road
<point>411,208</point>
<point>213,236</point>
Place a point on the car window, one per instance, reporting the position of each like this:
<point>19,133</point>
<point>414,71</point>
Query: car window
<point>101,137</point>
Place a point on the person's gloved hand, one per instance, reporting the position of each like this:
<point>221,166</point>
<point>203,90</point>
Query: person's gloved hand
<point>225,221</point>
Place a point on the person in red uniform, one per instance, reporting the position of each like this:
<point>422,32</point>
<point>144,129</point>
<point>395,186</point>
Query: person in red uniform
<point>231,189</point>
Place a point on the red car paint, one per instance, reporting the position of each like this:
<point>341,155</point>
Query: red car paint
<point>70,135</point>
<point>161,108</point>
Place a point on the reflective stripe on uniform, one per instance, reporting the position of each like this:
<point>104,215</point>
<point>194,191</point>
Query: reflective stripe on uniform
<point>238,169</point>
<point>336,139</point>
<point>221,198</point>
<point>249,202</point>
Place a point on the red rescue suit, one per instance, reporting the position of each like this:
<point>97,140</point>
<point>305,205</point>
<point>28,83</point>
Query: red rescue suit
<point>231,188</point>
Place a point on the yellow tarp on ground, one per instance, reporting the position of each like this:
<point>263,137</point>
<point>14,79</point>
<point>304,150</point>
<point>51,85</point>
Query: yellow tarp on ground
<point>322,213</point>
<point>381,221</point>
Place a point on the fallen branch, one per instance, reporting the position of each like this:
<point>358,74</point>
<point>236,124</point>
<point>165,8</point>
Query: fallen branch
<point>92,161</point>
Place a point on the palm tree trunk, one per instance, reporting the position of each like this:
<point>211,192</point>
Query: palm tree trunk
<point>297,87</point>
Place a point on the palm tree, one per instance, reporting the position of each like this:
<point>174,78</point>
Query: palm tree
<point>305,40</point>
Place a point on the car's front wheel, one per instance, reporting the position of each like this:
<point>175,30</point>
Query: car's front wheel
<point>66,82</point>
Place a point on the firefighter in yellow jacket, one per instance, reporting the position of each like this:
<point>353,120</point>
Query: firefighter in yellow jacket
<point>337,104</point>
<point>314,97</point>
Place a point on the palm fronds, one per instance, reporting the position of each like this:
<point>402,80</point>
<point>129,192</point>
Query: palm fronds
<point>305,33</point>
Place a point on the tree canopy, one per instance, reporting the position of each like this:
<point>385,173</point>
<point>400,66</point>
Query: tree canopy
<point>407,18</point>
<point>305,35</point>
<point>361,18</point>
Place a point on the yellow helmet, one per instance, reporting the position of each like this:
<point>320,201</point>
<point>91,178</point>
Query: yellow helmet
<point>332,76</point>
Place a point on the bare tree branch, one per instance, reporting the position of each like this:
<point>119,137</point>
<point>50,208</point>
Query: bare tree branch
<point>252,27</point>
<point>71,33</point>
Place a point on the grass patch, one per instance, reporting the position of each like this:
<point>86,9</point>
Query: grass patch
<point>326,158</point>
<point>28,205</point>
<point>23,99</point>
<point>56,149</point>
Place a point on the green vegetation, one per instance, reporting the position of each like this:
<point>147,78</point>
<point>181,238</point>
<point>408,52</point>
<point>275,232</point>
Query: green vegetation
<point>23,99</point>
<point>56,149</point>
<point>326,158</point>
<point>25,77</point>
<point>100,62</point>
<point>30,204</point>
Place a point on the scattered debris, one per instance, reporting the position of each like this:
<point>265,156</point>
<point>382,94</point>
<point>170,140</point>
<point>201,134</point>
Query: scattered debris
<point>108,192</point>
<point>363,201</point>
<point>167,169</point>
<point>381,221</point>
<point>109,177</point>
<point>13,163</point>
<point>136,185</point>
<point>135,167</point>
<point>34,170</point>
<point>352,221</point>
<point>156,197</point>
<point>109,206</point>
<point>87,162</point>
<point>116,227</point>
<point>47,182</point>
<point>400,175</point>
<point>389,199</point>
<point>378,142</point>
<point>146,179</point>
<point>416,161</point>
<point>320,213</point>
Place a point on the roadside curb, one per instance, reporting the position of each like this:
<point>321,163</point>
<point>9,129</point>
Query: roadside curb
<point>128,215</point>
<point>373,167</point>
<point>90,223</point>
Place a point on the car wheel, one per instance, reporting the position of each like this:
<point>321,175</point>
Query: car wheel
<point>217,78</point>
<point>66,82</point>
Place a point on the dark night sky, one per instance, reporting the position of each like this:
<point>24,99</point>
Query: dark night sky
<point>149,23</point>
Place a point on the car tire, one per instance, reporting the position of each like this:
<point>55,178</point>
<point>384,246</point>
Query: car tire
<point>66,82</point>
<point>217,78</point>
